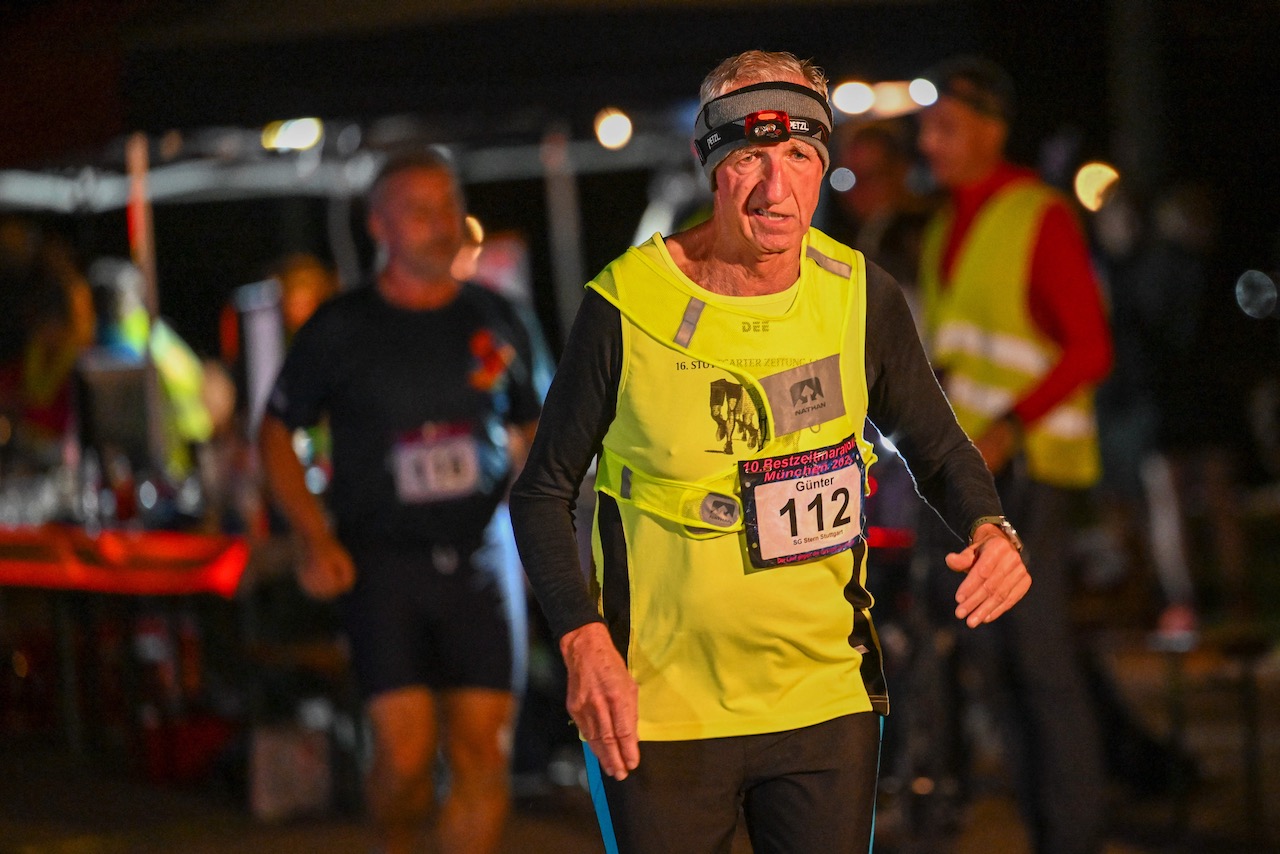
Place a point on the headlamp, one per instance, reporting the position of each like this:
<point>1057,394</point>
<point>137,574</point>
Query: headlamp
<point>761,114</point>
<point>767,126</point>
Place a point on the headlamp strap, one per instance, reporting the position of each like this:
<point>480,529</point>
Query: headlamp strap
<point>761,127</point>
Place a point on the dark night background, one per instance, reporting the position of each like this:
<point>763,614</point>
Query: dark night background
<point>1171,91</point>
<point>77,75</point>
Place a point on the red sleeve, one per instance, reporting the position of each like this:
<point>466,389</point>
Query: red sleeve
<point>1066,304</point>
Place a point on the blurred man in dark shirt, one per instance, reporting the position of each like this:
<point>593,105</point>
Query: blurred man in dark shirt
<point>430,393</point>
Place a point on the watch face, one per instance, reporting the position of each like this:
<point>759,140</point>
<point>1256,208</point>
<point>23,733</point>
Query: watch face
<point>1012,535</point>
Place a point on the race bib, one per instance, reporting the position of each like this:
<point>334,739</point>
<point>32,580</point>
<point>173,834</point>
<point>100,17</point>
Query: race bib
<point>804,505</point>
<point>436,464</point>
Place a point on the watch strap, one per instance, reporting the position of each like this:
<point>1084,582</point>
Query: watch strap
<point>1006,529</point>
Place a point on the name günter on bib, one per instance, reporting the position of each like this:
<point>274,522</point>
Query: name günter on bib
<point>803,505</point>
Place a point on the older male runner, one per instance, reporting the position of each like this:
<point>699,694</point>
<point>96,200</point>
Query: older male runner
<point>724,655</point>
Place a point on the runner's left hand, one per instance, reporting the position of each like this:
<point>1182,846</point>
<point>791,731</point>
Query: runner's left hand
<point>995,577</point>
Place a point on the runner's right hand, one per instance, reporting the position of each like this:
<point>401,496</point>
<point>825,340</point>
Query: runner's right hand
<point>602,698</point>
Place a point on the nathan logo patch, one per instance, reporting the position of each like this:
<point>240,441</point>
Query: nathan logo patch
<point>806,392</point>
<point>719,510</point>
<point>806,396</point>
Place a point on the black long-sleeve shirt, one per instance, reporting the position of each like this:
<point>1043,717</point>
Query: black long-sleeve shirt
<point>905,402</point>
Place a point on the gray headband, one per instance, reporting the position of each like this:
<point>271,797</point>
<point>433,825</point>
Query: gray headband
<point>749,116</point>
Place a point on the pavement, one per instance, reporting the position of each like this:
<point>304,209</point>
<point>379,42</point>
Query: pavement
<point>53,802</point>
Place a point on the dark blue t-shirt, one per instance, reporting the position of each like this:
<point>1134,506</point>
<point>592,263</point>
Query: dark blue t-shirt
<point>417,403</point>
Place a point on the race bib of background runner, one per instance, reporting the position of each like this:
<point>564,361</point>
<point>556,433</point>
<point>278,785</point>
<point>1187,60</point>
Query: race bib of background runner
<point>804,505</point>
<point>437,463</point>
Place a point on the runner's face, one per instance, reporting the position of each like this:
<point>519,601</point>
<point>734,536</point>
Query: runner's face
<point>417,218</point>
<point>768,193</point>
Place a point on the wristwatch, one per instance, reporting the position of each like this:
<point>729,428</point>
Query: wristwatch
<point>1005,528</point>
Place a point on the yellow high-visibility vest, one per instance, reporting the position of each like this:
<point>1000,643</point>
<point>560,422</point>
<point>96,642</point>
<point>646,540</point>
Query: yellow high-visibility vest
<point>717,645</point>
<point>985,343</point>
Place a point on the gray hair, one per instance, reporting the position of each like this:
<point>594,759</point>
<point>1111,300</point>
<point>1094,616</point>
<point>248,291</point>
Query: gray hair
<point>759,66</point>
<point>734,89</point>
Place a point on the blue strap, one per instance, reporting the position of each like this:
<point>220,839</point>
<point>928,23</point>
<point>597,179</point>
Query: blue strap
<point>871,844</point>
<point>595,784</point>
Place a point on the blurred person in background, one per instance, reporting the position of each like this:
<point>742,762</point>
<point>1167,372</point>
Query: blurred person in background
<point>1134,487</point>
<point>306,283</point>
<point>55,310</point>
<point>296,285</point>
<point>426,383</point>
<point>880,215</point>
<point>718,661</point>
<point>1017,334</point>
<point>1128,412</point>
<point>125,332</point>
<point>1166,327</point>
<point>1203,469</point>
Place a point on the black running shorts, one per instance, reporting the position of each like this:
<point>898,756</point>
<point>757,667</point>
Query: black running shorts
<point>429,616</point>
<point>804,791</point>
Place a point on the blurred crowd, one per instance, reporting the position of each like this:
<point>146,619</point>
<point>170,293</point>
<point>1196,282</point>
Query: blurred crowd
<point>1186,415</point>
<point>96,387</point>
<point>1168,540</point>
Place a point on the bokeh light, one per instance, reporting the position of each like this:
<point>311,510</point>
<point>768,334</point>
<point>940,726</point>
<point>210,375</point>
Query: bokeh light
<point>842,179</point>
<point>293,135</point>
<point>613,128</point>
<point>893,98</point>
<point>923,92</point>
<point>1093,183</point>
<point>147,495</point>
<point>1256,294</point>
<point>853,97</point>
<point>475,231</point>
<point>467,261</point>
